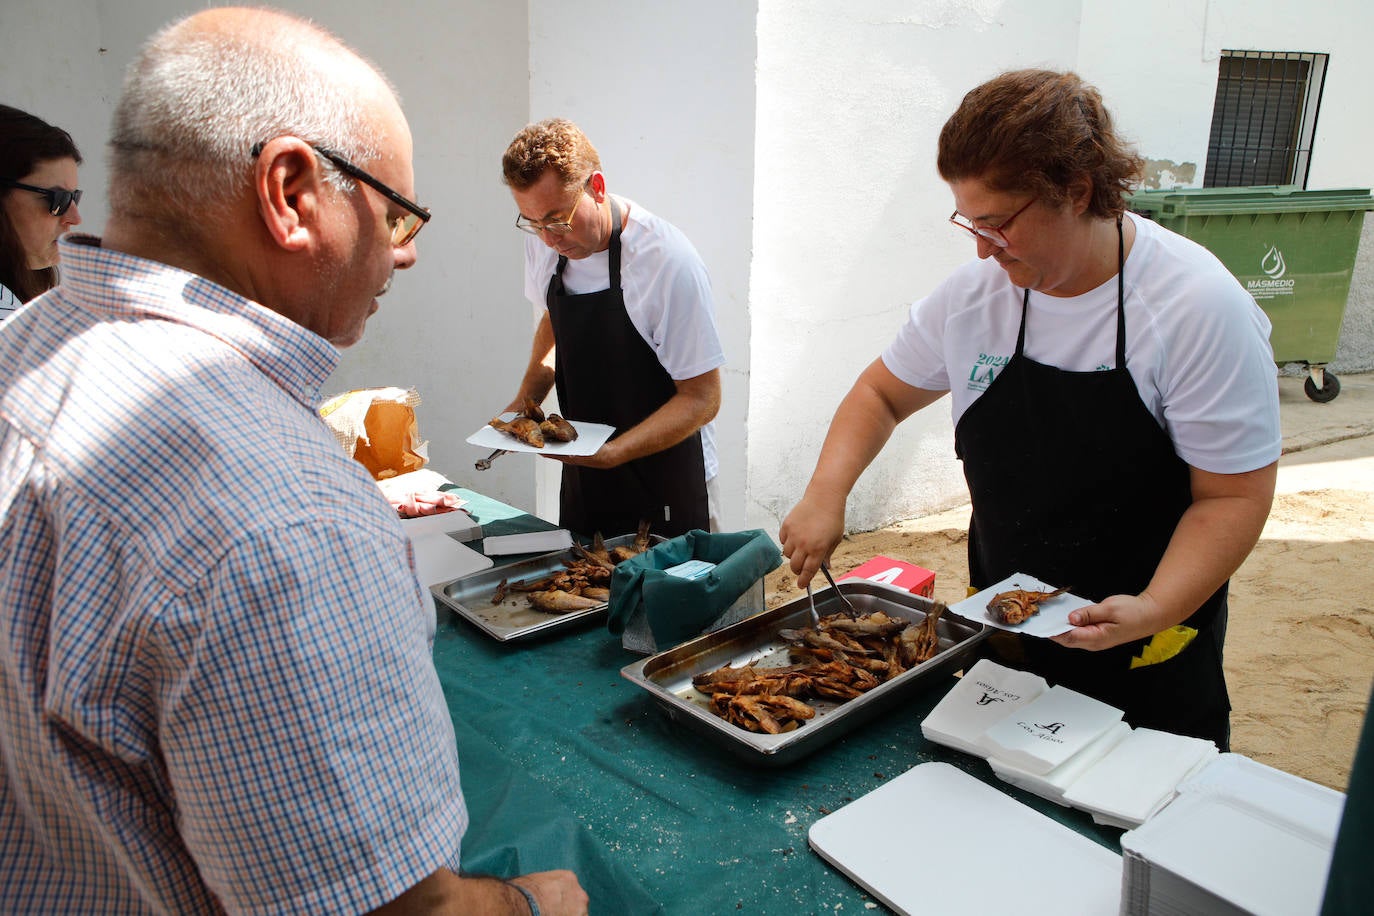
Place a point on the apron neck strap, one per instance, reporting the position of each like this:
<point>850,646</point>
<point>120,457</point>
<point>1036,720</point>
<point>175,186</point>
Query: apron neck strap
<point>1120,302</point>
<point>615,243</point>
<point>1120,295</point>
<point>613,250</point>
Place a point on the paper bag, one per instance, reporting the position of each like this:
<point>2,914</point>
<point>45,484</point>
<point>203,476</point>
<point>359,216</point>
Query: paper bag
<point>377,427</point>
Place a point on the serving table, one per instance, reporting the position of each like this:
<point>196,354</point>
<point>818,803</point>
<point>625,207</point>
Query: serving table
<point>565,764</point>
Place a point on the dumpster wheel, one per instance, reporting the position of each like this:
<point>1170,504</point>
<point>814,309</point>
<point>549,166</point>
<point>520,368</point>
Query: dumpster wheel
<point>1321,385</point>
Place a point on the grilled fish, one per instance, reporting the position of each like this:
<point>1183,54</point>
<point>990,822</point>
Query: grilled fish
<point>522,428</point>
<point>558,429</point>
<point>1020,605</point>
<point>556,601</point>
<point>532,411</point>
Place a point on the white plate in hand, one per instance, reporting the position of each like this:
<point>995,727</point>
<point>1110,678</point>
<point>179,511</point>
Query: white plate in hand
<point>590,437</point>
<point>1051,620</point>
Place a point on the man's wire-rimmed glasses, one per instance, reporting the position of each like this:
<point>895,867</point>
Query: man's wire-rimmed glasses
<point>403,228</point>
<point>60,200</point>
<point>994,234</point>
<point>556,226</point>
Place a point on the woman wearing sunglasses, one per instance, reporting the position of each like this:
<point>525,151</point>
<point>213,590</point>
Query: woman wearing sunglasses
<point>38,204</point>
<point>1114,405</point>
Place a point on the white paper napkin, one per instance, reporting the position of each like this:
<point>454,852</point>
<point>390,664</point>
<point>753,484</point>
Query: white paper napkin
<point>1051,785</point>
<point>1049,730</point>
<point>987,693</point>
<point>1139,776</point>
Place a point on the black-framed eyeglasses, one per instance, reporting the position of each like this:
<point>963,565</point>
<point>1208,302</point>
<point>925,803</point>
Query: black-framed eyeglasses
<point>60,200</point>
<point>403,228</point>
<point>994,234</point>
<point>556,226</point>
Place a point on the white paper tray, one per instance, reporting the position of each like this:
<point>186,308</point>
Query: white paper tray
<point>590,437</point>
<point>937,840</point>
<point>1051,620</point>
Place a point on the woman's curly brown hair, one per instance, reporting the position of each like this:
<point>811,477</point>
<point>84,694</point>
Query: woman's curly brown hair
<point>1038,131</point>
<point>554,143</point>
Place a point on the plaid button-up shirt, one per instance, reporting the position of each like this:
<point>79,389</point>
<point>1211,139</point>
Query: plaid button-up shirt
<point>216,690</point>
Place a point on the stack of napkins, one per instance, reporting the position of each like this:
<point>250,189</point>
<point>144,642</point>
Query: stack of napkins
<point>1053,784</point>
<point>1138,777</point>
<point>1048,730</point>
<point>1240,838</point>
<point>1065,746</point>
<point>987,693</point>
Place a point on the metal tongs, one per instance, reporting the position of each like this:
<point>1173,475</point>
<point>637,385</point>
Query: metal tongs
<point>815,617</point>
<point>483,464</point>
<point>853,611</point>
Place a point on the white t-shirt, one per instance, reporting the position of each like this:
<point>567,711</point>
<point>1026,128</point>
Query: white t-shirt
<point>1197,345</point>
<point>667,296</point>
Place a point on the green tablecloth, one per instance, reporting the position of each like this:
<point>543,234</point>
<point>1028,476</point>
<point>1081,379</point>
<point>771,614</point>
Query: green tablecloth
<point>568,765</point>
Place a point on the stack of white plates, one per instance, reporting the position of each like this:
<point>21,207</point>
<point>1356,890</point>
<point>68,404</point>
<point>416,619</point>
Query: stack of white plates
<point>1240,837</point>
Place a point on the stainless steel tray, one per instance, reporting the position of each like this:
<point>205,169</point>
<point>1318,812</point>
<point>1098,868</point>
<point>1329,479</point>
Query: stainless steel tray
<point>470,596</point>
<point>667,676</point>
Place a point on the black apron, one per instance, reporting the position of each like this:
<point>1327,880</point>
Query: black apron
<point>604,372</point>
<point>1074,482</point>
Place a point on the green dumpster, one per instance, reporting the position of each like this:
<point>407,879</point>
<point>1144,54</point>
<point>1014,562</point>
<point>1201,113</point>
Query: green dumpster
<point>1294,250</point>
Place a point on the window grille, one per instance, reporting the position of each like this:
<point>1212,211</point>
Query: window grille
<point>1264,118</point>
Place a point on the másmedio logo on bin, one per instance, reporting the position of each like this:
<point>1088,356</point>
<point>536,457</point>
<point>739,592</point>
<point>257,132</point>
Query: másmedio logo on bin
<point>1274,283</point>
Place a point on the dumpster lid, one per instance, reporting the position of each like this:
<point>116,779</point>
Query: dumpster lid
<point>1253,199</point>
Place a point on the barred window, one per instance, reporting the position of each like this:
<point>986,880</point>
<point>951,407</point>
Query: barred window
<point>1264,118</point>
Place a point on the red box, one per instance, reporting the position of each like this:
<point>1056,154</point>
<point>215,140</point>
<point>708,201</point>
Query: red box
<point>916,579</point>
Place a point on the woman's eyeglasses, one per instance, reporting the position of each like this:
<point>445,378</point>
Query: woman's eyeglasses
<point>993,234</point>
<point>60,200</point>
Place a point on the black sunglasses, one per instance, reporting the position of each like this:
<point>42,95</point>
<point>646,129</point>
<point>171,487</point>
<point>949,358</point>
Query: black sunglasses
<point>404,228</point>
<point>60,200</point>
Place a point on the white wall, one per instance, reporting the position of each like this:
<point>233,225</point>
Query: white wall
<point>447,327</point>
<point>850,221</point>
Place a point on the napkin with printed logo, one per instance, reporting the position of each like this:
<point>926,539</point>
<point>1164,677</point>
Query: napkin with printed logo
<point>1051,786</point>
<point>1049,730</point>
<point>987,693</point>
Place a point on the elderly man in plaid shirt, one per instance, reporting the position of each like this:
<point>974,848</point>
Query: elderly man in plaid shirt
<point>216,692</point>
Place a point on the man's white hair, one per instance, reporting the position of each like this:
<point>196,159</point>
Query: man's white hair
<point>196,100</point>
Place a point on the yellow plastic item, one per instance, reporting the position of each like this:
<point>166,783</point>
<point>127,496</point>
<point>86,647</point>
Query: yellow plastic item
<point>1164,645</point>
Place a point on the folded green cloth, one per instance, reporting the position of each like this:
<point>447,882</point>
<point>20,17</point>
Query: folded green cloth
<point>678,609</point>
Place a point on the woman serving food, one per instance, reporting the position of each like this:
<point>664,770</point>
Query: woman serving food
<point>1114,401</point>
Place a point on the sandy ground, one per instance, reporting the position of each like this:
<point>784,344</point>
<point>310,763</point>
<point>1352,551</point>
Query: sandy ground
<point>1300,645</point>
